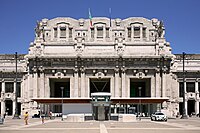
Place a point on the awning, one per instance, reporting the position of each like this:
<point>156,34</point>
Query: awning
<point>113,100</point>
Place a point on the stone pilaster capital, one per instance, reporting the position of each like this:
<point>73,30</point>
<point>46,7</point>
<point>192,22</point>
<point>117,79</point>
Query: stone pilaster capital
<point>82,69</point>
<point>157,70</point>
<point>75,70</point>
<point>116,70</point>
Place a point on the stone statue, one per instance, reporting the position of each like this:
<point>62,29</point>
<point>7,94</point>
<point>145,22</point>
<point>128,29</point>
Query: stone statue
<point>38,29</point>
<point>160,29</point>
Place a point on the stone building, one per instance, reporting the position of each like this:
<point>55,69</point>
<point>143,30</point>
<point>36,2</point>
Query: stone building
<point>129,58</point>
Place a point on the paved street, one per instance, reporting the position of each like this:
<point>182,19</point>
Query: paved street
<point>191,125</point>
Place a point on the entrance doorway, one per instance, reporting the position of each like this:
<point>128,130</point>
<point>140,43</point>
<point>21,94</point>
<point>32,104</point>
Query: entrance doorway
<point>99,85</point>
<point>9,107</point>
<point>101,106</point>
<point>191,107</point>
<point>19,108</point>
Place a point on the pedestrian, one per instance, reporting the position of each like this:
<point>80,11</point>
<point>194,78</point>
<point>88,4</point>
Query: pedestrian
<point>26,118</point>
<point>50,115</point>
<point>42,116</point>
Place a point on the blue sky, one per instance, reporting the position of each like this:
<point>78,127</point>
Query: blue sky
<point>18,19</point>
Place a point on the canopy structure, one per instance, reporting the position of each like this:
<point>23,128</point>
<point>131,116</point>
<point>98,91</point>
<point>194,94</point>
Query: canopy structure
<point>113,100</point>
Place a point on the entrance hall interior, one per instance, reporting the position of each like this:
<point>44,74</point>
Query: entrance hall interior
<point>55,88</point>
<point>99,85</point>
<point>140,87</point>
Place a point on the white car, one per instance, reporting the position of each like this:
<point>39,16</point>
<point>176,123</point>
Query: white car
<point>158,116</point>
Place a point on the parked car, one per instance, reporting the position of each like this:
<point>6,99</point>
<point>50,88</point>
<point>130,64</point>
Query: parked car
<point>158,116</point>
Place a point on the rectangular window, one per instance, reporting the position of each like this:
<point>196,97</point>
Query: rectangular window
<point>190,86</point>
<point>62,32</point>
<point>92,32</point>
<point>70,32</point>
<point>99,32</point>
<point>181,89</point>
<point>18,89</point>
<point>129,32</point>
<point>144,32</point>
<point>136,32</point>
<point>55,32</point>
<point>107,32</point>
<point>9,87</point>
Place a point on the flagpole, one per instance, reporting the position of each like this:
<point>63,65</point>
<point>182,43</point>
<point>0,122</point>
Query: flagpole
<point>90,17</point>
<point>110,16</point>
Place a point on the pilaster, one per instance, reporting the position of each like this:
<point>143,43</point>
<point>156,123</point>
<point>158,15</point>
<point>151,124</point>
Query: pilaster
<point>3,86</point>
<point>197,97</point>
<point>83,94</point>
<point>75,90</point>
<point>197,107</point>
<point>116,83</point>
<point>124,91</point>
<point>3,107</point>
<point>157,84</point>
<point>186,107</point>
<point>42,85</point>
<point>35,85</point>
<point>163,84</point>
<point>13,107</point>
<point>141,37</point>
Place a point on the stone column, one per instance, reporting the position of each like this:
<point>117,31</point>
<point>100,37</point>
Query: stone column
<point>197,97</point>
<point>42,85</point>
<point>141,37</point>
<point>14,106</point>
<point>46,87</point>
<point>58,33</point>
<point>35,91</point>
<point>14,88</point>
<point>124,91</point>
<point>83,84</point>
<point>132,33</point>
<point>112,86</point>
<point>95,33</point>
<point>153,86</point>
<point>116,83</point>
<point>163,84</point>
<point>3,107</point>
<point>75,90</point>
<point>2,87</point>
<point>157,83</point>
<point>104,33</point>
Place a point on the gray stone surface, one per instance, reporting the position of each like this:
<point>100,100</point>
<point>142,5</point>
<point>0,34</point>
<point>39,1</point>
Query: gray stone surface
<point>144,126</point>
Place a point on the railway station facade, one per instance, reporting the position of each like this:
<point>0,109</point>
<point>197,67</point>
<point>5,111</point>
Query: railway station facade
<point>128,58</point>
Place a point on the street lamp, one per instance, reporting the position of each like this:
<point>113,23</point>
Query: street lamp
<point>16,115</point>
<point>62,88</point>
<point>139,114</point>
<point>184,116</point>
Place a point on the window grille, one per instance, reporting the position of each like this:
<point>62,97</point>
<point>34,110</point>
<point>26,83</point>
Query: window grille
<point>55,32</point>
<point>129,32</point>
<point>92,32</point>
<point>70,32</point>
<point>107,32</point>
<point>136,32</point>
<point>62,32</point>
<point>100,32</point>
<point>144,32</point>
<point>9,87</point>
